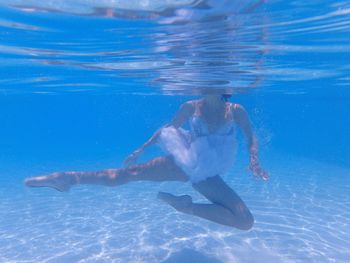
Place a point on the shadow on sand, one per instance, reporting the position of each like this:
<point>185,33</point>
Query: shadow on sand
<point>190,256</point>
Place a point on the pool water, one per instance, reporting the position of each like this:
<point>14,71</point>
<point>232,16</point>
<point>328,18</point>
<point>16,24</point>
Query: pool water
<point>84,83</point>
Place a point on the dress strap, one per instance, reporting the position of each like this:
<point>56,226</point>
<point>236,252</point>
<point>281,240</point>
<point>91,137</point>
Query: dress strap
<point>229,110</point>
<point>196,109</point>
<point>234,107</point>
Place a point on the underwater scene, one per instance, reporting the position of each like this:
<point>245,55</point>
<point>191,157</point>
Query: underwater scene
<point>209,131</point>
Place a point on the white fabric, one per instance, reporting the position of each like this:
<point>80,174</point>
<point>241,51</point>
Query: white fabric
<point>200,156</point>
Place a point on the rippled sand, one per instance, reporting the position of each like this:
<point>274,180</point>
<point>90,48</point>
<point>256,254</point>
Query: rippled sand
<point>302,215</point>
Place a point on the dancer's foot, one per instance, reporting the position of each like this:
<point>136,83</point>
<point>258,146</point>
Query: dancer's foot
<point>182,203</point>
<point>59,181</point>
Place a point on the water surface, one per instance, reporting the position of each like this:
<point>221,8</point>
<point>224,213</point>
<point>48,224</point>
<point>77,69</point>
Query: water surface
<point>83,83</point>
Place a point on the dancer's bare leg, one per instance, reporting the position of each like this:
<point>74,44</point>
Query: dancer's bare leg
<point>227,207</point>
<point>157,169</point>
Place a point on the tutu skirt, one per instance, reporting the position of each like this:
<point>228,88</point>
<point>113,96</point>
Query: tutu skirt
<point>199,157</point>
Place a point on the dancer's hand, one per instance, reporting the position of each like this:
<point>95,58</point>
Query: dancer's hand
<point>256,169</point>
<point>131,159</point>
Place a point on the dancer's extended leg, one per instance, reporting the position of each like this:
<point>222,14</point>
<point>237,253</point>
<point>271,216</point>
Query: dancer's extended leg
<point>227,208</point>
<point>157,169</point>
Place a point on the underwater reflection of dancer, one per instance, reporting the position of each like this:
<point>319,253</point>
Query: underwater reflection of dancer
<point>199,155</point>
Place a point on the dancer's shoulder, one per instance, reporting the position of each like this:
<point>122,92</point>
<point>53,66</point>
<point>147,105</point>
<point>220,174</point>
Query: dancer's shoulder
<point>238,110</point>
<point>236,106</point>
<point>188,107</point>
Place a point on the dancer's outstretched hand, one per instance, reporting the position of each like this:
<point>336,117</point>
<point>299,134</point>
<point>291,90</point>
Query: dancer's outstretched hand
<point>257,171</point>
<point>131,159</point>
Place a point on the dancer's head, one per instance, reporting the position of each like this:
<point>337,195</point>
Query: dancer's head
<point>223,93</point>
<point>226,97</point>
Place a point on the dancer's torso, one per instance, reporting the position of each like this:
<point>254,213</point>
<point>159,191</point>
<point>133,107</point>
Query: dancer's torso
<point>200,126</point>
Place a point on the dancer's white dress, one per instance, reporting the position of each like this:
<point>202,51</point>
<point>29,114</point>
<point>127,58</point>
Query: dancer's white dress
<point>198,152</point>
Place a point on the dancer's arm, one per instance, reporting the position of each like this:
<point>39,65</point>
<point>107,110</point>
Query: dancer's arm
<point>178,120</point>
<point>242,119</point>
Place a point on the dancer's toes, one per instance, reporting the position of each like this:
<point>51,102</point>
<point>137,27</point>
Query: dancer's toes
<point>181,203</point>
<point>59,181</point>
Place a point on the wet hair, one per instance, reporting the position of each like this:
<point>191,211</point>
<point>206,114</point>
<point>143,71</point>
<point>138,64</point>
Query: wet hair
<point>226,97</point>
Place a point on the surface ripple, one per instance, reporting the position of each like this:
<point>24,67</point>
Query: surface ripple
<point>173,47</point>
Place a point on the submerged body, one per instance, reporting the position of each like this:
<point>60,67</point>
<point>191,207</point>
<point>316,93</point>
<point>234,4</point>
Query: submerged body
<point>200,155</point>
<point>199,152</point>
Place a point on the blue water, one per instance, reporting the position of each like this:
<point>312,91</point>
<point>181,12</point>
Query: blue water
<point>84,83</point>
